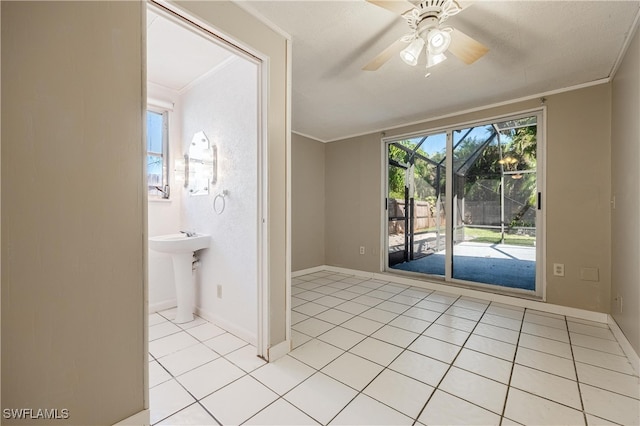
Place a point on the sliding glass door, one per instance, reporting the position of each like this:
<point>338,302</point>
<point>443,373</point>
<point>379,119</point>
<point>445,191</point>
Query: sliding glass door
<point>486,234</point>
<point>416,207</point>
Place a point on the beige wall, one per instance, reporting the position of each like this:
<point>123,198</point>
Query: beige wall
<point>625,186</point>
<point>307,203</point>
<point>242,27</point>
<point>577,196</point>
<point>353,203</point>
<point>72,209</point>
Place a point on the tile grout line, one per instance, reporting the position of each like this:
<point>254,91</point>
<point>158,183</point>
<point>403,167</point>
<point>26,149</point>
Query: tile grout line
<point>198,401</point>
<point>575,369</point>
<point>402,289</point>
<point>437,387</point>
<point>477,322</point>
<point>357,315</point>
<point>370,336</point>
<point>513,365</point>
<point>391,362</point>
<point>559,376</point>
<point>223,356</point>
<point>574,362</point>
<point>366,336</point>
<point>517,344</point>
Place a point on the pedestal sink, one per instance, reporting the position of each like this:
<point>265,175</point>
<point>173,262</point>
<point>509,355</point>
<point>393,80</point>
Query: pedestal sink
<point>181,248</point>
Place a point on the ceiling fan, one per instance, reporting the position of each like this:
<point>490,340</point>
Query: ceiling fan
<point>426,20</point>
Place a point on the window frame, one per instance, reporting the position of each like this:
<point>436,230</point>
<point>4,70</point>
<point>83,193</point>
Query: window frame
<point>153,191</point>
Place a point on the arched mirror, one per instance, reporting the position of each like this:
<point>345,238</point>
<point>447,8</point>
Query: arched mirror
<point>201,165</point>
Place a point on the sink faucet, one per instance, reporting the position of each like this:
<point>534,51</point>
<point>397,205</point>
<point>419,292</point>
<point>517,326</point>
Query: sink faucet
<point>188,233</point>
<point>164,190</point>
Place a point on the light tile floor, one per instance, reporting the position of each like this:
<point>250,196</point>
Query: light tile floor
<point>370,352</point>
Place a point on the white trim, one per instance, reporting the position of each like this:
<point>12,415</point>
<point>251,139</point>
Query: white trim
<point>384,195</point>
<point>304,135</point>
<point>500,298</point>
<point>279,350</point>
<point>472,110</point>
<point>263,212</point>
<point>142,418</point>
<point>442,129</point>
<point>240,332</point>
<point>163,306</point>
<point>628,350</point>
<point>357,273</point>
<point>300,272</point>
<point>449,204</point>
<point>541,263</point>
<point>234,56</point>
<point>193,22</point>
<point>158,105</point>
<point>459,291</point>
<point>288,226</point>
<point>238,49</point>
<point>161,93</point>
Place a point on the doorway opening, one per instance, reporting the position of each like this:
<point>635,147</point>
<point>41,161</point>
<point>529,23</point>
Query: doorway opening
<point>206,175</point>
<point>487,233</point>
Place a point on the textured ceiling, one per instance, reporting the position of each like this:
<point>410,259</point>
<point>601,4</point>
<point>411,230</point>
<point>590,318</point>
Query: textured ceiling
<point>535,47</point>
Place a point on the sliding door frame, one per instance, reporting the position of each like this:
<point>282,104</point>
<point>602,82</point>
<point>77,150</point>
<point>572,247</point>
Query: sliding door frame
<point>541,158</point>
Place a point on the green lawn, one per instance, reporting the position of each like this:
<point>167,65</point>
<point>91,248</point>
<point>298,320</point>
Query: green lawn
<point>493,237</point>
<point>490,236</point>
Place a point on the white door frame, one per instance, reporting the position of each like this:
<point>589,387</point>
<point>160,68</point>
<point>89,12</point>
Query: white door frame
<point>541,282</point>
<point>246,52</point>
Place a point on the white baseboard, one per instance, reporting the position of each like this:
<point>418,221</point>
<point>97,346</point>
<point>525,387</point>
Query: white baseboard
<point>624,343</point>
<point>279,350</point>
<point>240,332</point>
<point>460,291</point>
<point>139,419</point>
<point>499,298</point>
<point>164,305</point>
<point>308,271</point>
<point>355,272</point>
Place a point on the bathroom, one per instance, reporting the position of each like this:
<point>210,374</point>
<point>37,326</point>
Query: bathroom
<point>204,174</point>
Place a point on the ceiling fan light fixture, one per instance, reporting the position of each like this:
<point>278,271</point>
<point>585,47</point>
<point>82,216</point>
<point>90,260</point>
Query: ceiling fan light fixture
<point>435,59</point>
<point>412,52</point>
<point>438,41</point>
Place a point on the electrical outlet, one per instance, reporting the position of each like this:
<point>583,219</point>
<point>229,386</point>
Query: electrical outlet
<point>558,269</point>
<point>361,249</point>
<point>219,291</point>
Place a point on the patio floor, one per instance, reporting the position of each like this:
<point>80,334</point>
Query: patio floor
<point>498,264</point>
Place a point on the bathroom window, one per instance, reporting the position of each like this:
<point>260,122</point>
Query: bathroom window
<point>157,154</point>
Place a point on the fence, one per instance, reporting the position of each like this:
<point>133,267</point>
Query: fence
<point>485,213</point>
<point>488,213</point>
<point>425,216</point>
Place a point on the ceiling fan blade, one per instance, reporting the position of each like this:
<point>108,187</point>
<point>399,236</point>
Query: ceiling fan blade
<point>465,48</point>
<point>465,4</point>
<point>398,6</point>
<point>384,56</point>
